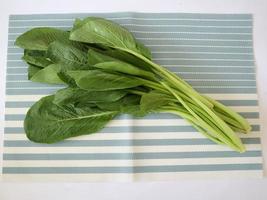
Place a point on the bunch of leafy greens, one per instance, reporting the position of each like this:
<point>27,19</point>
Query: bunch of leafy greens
<point>108,72</point>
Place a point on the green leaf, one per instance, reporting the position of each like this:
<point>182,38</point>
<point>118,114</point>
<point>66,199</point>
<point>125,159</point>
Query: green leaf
<point>129,104</point>
<point>97,55</point>
<point>96,80</point>
<point>105,32</point>
<point>154,100</point>
<point>67,53</point>
<point>70,56</point>
<point>47,122</point>
<point>64,68</point>
<point>32,69</point>
<point>62,74</point>
<point>48,75</point>
<point>143,50</point>
<point>123,67</point>
<point>66,78</point>
<point>37,58</point>
<point>40,38</point>
<point>74,95</point>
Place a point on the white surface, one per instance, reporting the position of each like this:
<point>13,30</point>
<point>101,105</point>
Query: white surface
<point>190,189</point>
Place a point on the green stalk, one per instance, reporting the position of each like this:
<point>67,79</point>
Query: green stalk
<point>195,123</point>
<point>231,121</point>
<point>138,92</point>
<point>206,117</point>
<point>176,82</point>
<point>243,122</point>
<point>205,133</point>
<point>224,138</point>
<point>196,97</point>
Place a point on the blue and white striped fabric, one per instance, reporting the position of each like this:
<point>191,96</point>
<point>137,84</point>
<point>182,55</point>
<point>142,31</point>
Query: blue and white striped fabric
<point>213,52</point>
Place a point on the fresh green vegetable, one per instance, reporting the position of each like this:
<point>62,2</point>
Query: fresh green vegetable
<point>108,72</point>
<point>54,123</point>
<point>40,38</point>
<point>70,95</point>
<point>47,75</point>
<point>97,80</point>
<point>37,58</point>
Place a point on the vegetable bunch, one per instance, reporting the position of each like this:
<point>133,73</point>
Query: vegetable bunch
<point>108,72</point>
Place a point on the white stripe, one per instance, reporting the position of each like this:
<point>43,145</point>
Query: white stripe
<point>233,96</point>
<point>219,59</point>
<point>147,25</point>
<point>174,58</point>
<point>215,73</point>
<point>176,65</point>
<point>126,149</point>
<point>124,122</point>
<point>136,136</point>
<point>199,52</point>
<point>177,45</point>
<point>9,111</point>
<point>221,80</point>
<point>179,73</point>
<point>141,122</point>
<point>10,27</point>
<point>172,32</point>
<point>11,60</point>
<point>186,39</point>
<point>235,108</point>
<point>121,177</point>
<point>212,66</point>
<point>205,86</point>
<point>178,25</point>
<point>187,32</point>
<point>202,39</point>
<point>21,98</point>
<point>186,79</point>
<point>131,163</point>
<point>17,74</point>
<point>226,87</point>
<point>141,18</point>
<point>196,79</point>
<point>37,87</point>
<point>10,53</point>
<point>187,52</point>
<point>18,81</point>
<point>21,67</point>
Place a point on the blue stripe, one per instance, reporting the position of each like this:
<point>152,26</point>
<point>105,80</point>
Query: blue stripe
<point>206,62</point>
<point>100,143</point>
<point>135,21</point>
<point>214,90</point>
<point>129,156</point>
<point>11,57</point>
<point>219,83</point>
<point>134,169</point>
<point>134,129</point>
<point>135,14</point>
<point>172,48</point>
<point>27,104</point>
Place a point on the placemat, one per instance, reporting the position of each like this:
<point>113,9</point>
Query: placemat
<point>212,52</point>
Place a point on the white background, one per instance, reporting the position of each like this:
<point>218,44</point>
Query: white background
<point>190,189</point>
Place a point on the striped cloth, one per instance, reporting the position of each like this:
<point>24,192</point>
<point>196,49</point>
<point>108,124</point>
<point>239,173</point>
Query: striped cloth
<point>212,52</point>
